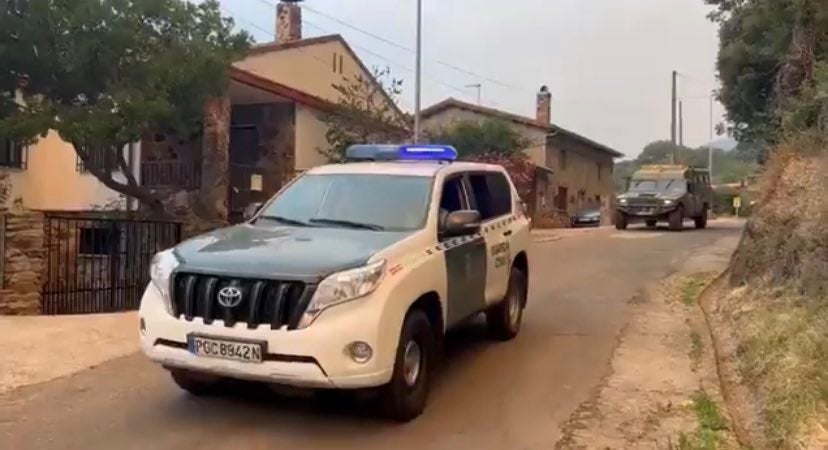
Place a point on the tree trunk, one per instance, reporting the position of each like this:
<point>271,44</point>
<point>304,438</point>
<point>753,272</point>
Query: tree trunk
<point>215,164</point>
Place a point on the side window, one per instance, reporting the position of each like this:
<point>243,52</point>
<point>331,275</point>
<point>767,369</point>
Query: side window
<point>492,194</point>
<point>453,196</point>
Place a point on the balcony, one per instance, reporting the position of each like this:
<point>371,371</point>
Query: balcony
<point>181,174</point>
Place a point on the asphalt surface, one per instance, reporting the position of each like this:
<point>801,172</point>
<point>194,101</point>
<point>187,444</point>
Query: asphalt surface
<point>489,395</point>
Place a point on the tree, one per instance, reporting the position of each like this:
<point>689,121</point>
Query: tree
<point>476,138</point>
<point>492,142</point>
<point>104,72</point>
<point>365,113</point>
<point>772,65</point>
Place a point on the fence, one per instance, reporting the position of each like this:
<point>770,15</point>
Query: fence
<point>100,265</point>
<point>180,174</point>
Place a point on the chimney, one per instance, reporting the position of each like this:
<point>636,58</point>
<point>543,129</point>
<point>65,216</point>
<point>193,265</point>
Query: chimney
<point>544,107</point>
<point>288,21</point>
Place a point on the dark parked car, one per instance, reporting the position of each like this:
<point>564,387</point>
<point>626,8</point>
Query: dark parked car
<point>589,216</point>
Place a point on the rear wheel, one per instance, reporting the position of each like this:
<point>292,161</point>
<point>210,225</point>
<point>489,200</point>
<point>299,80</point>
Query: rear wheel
<point>504,319</point>
<point>620,221</point>
<point>676,219</point>
<point>701,220</point>
<point>197,383</point>
<point>651,223</point>
<point>404,397</point>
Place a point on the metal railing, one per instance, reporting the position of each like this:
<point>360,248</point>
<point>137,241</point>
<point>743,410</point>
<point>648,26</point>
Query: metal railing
<point>171,173</point>
<point>98,265</point>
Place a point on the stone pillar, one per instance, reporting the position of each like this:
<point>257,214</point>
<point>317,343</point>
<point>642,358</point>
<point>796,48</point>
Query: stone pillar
<point>215,166</point>
<point>23,263</point>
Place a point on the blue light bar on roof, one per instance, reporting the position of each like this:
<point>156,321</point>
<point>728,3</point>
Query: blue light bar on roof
<point>428,152</point>
<point>425,152</point>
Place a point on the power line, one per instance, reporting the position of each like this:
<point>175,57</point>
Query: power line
<point>391,61</point>
<point>402,47</point>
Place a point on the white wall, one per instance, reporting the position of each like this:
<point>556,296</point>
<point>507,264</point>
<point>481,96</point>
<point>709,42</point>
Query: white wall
<point>310,138</point>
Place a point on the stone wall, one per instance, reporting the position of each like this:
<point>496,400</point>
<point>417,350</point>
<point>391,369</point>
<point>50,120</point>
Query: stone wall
<point>24,265</point>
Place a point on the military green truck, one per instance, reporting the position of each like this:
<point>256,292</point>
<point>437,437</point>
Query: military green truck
<point>665,193</point>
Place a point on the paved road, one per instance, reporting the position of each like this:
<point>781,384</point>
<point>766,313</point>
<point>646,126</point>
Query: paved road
<point>489,396</point>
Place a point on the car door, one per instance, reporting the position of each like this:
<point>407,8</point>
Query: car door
<point>492,196</point>
<point>465,257</point>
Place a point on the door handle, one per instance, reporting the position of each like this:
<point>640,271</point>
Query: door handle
<point>507,233</point>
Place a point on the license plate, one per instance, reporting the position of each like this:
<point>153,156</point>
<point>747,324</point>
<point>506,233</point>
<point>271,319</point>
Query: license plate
<point>645,212</point>
<point>245,351</point>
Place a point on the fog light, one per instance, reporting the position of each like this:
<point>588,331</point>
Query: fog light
<point>360,352</point>
<point>143,326</point>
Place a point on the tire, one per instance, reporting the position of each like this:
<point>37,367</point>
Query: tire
<point>620,221</point>
<point>676,219</point>
<point>701,221</point>
<point>504,319</point>
<point>404,397</point>
<point>651,223</point>
<point>197,384</point>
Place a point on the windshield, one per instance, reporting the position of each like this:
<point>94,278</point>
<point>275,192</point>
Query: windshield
<point>379,202</point>
<point>674,185</point>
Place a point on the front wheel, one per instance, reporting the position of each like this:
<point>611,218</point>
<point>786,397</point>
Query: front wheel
<point>404,397</point>
<point>701,221</point>
<point>504,319</point>
<point>676,219</point>
<point>620,221</point>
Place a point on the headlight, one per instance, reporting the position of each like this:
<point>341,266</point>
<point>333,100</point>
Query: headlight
<point>343,287</point>
<point>667,201</point>
<point>622,201</point>
<point>161,269</point>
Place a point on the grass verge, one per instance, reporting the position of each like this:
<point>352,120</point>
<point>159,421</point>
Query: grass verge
<point>712,425</point>
<point>783,355</point>
<point>696,350</point>
<point>691,288</point>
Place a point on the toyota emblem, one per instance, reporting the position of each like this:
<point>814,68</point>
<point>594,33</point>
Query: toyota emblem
<point>229,296</point>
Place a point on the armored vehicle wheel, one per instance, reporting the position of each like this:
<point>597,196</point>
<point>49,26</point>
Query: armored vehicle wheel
<point>620,221</point>
<point>676,219</point>
<point>701,221</point>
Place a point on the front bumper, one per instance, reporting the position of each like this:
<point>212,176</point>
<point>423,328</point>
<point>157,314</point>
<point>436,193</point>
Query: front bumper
<point>311,357</point>
<point>646,210</point>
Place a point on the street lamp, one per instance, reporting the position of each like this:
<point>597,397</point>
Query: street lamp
<point>419,70</point>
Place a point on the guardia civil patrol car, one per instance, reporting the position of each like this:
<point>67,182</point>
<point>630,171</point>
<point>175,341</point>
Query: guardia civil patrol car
<point>348,278</point>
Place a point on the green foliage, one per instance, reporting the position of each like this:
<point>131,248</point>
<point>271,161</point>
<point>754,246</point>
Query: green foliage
<point>772,65</point>
<point>103,72</point>
<point>366,113</point>
<point>712,425</point>
<point>476,138</point>
<point>728,166</point>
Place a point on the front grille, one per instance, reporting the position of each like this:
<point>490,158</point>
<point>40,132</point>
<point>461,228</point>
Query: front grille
<point>644,202</point>
<point>278,303</point>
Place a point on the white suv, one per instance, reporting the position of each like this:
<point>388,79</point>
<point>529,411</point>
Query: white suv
<point>348,278</point>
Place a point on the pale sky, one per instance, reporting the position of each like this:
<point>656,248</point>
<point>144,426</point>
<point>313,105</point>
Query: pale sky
<point>606,62</point>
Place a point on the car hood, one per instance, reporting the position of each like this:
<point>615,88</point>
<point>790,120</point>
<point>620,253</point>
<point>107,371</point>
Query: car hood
<point>588,213</point>
<point>281,252</point>
<point>650,194</point>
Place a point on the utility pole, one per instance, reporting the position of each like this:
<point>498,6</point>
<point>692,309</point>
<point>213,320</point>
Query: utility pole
<point>681,124</point>
<point>479,88</point>
<point>710,144</point>
<point>673,118</point>
<point>419,70</point>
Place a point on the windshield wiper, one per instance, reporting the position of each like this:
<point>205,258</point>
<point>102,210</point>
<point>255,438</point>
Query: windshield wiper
<point>286,220</point>
<point>349,224</point>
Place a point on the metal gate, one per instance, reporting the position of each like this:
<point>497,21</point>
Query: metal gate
<point>96,265</point>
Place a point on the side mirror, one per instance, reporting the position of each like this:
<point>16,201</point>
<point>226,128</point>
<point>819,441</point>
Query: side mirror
<point>251,210</point>
<point>461,223</point>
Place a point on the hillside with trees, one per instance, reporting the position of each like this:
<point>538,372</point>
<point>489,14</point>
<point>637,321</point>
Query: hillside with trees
<point>770,311</point>
<point>729,166</point>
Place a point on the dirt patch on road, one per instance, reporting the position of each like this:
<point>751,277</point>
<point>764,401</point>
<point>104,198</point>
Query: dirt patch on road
<point>41,348</point>
<point>663,390</point>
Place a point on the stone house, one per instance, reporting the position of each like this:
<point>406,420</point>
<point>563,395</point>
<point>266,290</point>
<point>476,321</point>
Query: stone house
<point>575,171</point>
<point>268,127</point>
